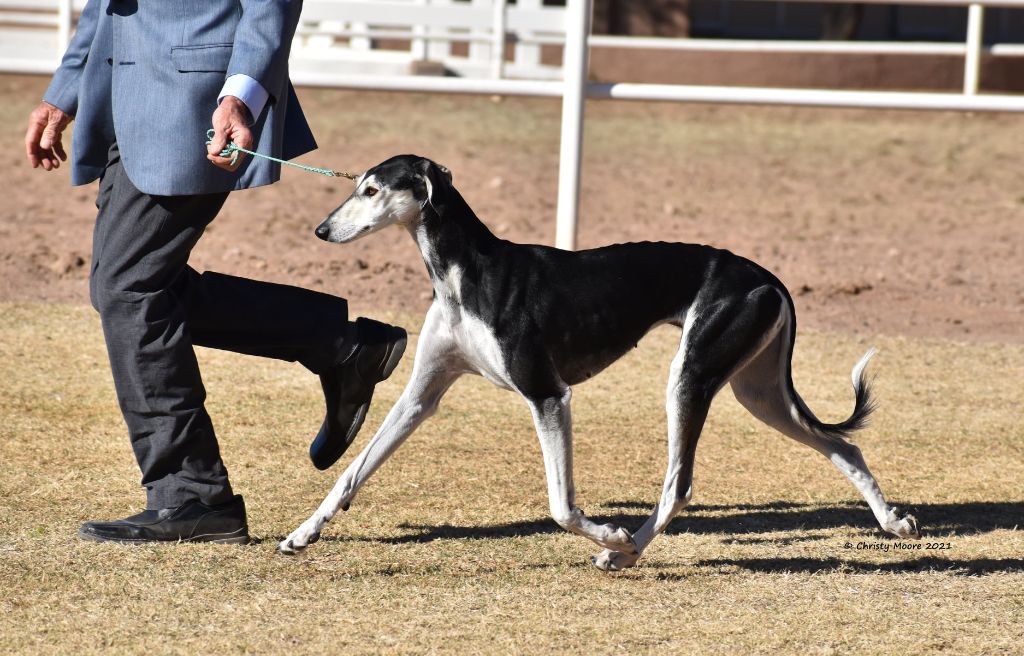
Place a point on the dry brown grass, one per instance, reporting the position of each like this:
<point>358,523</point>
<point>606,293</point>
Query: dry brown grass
<point>449,548</point>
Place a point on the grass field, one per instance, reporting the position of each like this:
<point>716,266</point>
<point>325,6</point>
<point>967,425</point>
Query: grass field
<point>449,549</point>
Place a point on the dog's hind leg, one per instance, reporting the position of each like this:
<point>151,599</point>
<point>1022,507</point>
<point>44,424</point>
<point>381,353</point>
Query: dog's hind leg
<point>553,420</point>
<point>765,388</point>
<point>687,407</point>
<point>717,340</point>
<point>436,367</point>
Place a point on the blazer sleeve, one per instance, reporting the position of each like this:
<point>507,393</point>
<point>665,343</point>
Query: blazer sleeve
<point>63,90</point>
<point>263,40</point>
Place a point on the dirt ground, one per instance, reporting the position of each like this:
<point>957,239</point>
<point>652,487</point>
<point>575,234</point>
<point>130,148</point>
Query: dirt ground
<point>879,222</point>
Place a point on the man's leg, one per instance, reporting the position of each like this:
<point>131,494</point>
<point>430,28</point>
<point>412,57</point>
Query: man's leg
<point>154,307</point>
<point>141,244</point>
<point>290,323</point>
<point>265,319</point>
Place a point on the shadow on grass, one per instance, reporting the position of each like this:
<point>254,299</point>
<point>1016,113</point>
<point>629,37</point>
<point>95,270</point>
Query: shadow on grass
<point>937,520</point>
<point>744,524</point>
<point>975,567</point>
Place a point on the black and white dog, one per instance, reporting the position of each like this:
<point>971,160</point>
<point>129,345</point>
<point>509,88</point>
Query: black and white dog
<point>537,320</point>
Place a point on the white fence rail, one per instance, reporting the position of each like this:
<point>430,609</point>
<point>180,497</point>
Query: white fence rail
<point>352,30</point>
<point>339,37</point>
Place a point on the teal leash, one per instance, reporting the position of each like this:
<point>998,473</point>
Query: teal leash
<point>233,149</point>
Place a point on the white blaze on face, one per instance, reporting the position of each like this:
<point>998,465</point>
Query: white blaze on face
<point>371,206</point>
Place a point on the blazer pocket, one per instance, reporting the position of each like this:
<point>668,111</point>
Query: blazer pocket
<point>202,59</point>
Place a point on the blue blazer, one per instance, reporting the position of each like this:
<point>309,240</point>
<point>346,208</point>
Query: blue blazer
<point>146,74</point>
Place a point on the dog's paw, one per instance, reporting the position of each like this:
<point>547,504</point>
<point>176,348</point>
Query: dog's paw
<point>904,525</point>
<point>295,544</point>
<point>620,540</point>
<point>614,561</point>
<point>288,547</point>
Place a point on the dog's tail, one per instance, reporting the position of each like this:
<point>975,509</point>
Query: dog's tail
<point>864,405</point>
<point>864,402</point>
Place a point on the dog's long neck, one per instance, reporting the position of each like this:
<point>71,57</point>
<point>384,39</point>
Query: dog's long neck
<point>453,238</point>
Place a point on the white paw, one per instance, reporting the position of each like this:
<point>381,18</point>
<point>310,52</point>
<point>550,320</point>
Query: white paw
<point>620,540</point>
<point>614,561</point>
<point>297,541</point>
<point>903,525</point>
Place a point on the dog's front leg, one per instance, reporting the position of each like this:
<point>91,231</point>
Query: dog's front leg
<point>435,369</point>
<point>553,420</point>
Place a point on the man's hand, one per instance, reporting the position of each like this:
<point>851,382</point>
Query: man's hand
<point>42,139</point>
<point>230,123</point>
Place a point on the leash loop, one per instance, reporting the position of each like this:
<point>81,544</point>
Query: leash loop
<point>233,149</point>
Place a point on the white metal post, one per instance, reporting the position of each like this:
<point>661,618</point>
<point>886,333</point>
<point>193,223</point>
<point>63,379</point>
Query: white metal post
<point>439,49</point>
<point>418,47</point>
<point>479,50</point>
<point>356,42</point>
<point>498,39</point>
<point>63,27</point>
<point>575,60</point>
<point>527,54</point>
<point>972,60</point>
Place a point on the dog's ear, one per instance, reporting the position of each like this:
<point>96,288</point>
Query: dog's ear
<point>438,180</point>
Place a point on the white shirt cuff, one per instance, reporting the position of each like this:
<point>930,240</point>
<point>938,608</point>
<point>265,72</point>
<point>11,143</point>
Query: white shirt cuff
<point>248,90</point>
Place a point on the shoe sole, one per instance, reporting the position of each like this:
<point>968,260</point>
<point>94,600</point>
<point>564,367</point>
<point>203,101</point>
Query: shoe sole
<point>241,536</point>
<point>395,356</point>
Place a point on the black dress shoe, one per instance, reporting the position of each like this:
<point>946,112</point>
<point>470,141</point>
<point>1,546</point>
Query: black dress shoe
<point>190,522</point>
<point>348,388</point>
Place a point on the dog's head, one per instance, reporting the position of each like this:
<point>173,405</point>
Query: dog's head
<point>398,191</point>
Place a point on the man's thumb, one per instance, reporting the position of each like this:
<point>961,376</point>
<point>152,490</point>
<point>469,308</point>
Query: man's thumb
<point>218,143</point>
<point>51,133</point>
<point>49,136</point>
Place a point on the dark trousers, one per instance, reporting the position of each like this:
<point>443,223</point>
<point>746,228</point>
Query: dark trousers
<point>154,308</point>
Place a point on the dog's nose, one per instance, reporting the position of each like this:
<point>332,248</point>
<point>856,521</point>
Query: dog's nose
<point>322,231</point>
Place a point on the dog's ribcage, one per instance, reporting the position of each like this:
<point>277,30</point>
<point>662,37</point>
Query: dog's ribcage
<point>519,308</point>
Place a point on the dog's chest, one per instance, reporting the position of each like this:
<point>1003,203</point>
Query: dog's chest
<point>472,336</point>
<point>479,347</point>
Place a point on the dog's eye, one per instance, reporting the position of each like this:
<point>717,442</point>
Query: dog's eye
<point>370,191</point>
